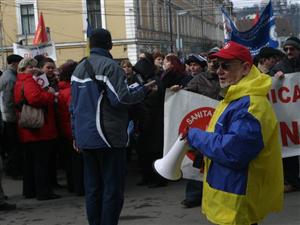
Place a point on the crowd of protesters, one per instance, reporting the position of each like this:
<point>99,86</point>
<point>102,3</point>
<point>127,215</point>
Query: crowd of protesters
<point>34,154</point>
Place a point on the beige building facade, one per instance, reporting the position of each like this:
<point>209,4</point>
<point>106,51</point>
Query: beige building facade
<point>136,25</point>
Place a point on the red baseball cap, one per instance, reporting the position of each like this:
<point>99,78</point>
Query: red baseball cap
<point>233,50</point>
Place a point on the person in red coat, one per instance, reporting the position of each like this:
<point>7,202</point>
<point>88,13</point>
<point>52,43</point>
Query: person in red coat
<point>73,160</point>
<point>36,142</point>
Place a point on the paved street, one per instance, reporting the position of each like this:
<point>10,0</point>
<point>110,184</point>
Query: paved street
<point>143,206</point>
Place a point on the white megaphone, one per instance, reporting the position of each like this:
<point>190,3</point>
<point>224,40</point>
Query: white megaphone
<point>169,166</point>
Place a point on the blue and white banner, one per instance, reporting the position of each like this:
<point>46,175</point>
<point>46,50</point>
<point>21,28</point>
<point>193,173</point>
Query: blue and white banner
<point>262,34</point>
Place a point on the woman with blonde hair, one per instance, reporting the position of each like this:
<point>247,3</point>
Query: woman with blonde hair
<point>36,142</point>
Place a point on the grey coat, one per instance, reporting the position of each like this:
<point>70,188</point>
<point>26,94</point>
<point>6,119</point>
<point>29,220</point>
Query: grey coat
<point>7,106</point>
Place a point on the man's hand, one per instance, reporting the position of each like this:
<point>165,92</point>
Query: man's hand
<point>176,88</point>
<point>279,75</point>
<point>75,147</point>
<point>51,90</point>
<point>185,133</point>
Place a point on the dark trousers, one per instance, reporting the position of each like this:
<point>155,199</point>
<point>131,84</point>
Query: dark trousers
<point>36,169</point>
<point>193,191</point>
<point>104,178</point>
<point>73,165</point>
<point>291,171</point>
<point>14,154</point>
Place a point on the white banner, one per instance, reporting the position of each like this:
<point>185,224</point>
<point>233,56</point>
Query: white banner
<point>285,98</point>
<point>46,49</point>
<point>185,108</point>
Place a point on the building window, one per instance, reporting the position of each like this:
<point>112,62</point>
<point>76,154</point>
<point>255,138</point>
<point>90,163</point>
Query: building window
<point>139,20</point>
<point>151,15</point>
<point>27,19</point>
<point>94,13</point>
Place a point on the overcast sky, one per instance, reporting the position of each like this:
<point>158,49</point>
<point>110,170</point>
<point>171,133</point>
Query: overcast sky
<point>243,3</point>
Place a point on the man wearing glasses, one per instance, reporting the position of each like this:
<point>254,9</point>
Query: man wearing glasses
<point>243,178</point>
<point>290,64</point>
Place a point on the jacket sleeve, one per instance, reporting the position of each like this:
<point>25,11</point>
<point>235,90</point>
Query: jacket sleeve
<point>35,95</point>
<point>117,90</point>
<point>240,144</point>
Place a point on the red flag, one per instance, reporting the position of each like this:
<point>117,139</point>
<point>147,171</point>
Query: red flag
<point>255,20</point>
<point>40,35</point>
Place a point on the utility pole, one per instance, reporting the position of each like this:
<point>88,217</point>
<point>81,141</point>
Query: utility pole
<point>171,28</point>
<point>1,37</point>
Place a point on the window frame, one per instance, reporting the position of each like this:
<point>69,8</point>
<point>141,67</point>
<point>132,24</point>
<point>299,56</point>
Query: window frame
<point>19,3</point>
<point>26,19</point>
<point>92,14</point>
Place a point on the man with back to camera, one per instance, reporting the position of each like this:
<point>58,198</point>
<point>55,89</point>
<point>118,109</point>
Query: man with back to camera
<point>99,118</point>
<point>243,178</point>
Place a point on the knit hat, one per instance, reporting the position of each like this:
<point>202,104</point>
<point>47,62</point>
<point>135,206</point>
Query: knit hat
<point>13,58</point>
<point>292,41</point>
<point>145,68</point>
<point>233,50</point>
<point>267,52</point>
<point>100,38</point>
<point>196,59</point>
<point>26,62</point>
<point>213,50</point>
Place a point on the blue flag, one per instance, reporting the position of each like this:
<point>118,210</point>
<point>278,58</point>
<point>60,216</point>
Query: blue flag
<point>262,34</point>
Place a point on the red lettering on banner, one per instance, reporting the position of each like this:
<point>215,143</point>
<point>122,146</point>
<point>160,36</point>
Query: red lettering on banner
<point>296,93</point>
<point>287,133</point>
<point>280,95</point>
<point>198,118</point>
<point>273,96</point>
<point>284,94</point>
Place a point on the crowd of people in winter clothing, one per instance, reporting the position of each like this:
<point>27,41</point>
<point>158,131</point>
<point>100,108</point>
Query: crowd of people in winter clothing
<point>34,154</point>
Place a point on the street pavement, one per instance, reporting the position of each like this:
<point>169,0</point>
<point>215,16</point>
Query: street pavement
<point>143,206</point>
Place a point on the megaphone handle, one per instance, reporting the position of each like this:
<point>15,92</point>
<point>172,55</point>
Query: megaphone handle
<point>185,133</point>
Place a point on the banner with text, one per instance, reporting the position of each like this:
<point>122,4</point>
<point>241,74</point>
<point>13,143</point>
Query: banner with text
<point>183,109</point>
<point>190,109</point>
<point>46,49</point>
<point>285,98</point>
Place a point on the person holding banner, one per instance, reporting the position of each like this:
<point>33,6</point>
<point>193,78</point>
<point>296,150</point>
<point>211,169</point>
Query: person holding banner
<point>290,64</point>
<point>267,58</point>
<point>204,83</point>
<point>243,176</point>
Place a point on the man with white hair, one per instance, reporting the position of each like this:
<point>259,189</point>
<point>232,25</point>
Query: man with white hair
<point>243,179</point>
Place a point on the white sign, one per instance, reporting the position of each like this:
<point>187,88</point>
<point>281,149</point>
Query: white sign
<point>42,80</point>
<point>285,98</point>
<point>183,109</point>
<point>46,49</point>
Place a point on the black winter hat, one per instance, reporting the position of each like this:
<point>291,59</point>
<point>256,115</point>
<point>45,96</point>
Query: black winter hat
<point>13,58</point>
<point>145,68</point>
<point>100,38</point>
<point>267,52</point>
<point>196,59</point>
<point>292,41</point>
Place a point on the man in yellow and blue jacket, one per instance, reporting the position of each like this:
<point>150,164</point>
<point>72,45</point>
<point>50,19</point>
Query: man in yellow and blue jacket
<point>243,178</point>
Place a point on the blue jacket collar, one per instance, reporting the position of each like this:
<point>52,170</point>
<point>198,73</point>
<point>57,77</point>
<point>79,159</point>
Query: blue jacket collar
<point>101,51</point>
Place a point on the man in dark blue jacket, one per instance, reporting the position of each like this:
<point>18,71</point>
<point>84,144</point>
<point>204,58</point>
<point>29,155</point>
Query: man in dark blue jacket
<point>99,113</point>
